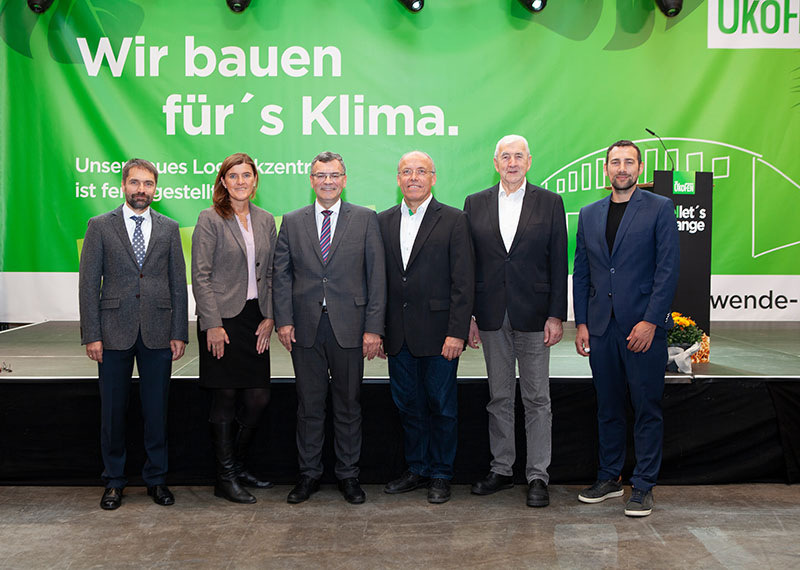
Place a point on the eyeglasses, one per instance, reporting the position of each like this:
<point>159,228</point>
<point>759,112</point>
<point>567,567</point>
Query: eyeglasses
<point>135,183</point>
<point>419,172</point>
<point>323,175</point>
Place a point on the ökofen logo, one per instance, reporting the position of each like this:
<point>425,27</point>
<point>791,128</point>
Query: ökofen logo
<point>683,182</point>
<point>753,24</point>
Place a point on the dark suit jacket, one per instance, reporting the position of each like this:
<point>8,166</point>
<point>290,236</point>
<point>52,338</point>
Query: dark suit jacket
<point>353,282</point>
<point>529,281</point>
<point>219,265</point>
<point>117,299</point>
<point>432,298</point>
<point>638,279</point>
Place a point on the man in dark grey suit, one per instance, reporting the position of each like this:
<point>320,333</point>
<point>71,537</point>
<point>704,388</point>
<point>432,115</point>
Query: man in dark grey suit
<point>133,305</point>
<point>520,237</point>
<point>329,292</point>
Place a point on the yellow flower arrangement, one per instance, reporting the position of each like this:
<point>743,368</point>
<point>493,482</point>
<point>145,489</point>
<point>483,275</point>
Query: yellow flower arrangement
<point>686,331</point>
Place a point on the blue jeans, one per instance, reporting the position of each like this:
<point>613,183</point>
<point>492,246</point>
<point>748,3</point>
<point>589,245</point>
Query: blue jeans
<point>425,392</point>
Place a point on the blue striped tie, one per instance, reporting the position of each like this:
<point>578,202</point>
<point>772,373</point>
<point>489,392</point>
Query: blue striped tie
<point>325,235</point>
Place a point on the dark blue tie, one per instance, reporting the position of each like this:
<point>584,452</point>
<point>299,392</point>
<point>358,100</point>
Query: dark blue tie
<point>138,240</point>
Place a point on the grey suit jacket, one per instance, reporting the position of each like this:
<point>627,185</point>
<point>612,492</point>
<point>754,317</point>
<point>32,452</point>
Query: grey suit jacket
<point>353,282</point>
<point>117,299</point>
<point>219,265</point>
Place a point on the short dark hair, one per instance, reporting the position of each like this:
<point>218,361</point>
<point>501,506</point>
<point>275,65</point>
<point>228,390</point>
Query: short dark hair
<point>624,143</point>
<point>329,156</point>
<point>139,163</point>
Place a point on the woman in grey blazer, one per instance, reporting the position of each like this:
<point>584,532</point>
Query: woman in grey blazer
<point>232,249</point>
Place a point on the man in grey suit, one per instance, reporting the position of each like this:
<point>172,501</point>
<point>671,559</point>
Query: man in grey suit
<point>133,305</point>
<point>519,233</point>
<point>329,292</point>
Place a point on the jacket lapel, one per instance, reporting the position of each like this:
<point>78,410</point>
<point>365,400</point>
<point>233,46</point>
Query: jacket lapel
<point>310,224</point>
<point>432,216</point>
<point>528,206</point>
<point>494,214</point>
<point>118,220</point>
<point>236,232</point>
<point>394,236</point>
<point>341,228</point>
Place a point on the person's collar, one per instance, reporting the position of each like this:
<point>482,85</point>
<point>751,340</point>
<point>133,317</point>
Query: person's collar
<point>127,212</point>
<point>420,209</point>
<point>335,208</point>
<point>520,188</point>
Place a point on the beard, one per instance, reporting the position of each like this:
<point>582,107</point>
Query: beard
<point>622,187</point>
<point>139,201</point>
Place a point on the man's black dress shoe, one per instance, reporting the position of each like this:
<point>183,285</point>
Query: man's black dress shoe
<point>537,494</point>
<point>303,490</point>
<point>352,491</point>
<point>439,491</point>
<point>161,495</point>
<point>112,498</point>
<point>494,482</point>
<point>408,481</point>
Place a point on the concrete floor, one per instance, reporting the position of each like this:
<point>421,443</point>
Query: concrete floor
<point>723,526</point>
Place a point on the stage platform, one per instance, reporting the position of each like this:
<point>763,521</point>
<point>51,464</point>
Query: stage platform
<point>735,419</point>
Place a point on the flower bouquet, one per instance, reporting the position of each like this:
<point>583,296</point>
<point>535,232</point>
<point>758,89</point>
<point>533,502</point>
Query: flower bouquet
<point>687,343</point>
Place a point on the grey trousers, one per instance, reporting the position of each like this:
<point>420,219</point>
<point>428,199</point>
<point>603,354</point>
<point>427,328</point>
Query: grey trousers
<point>502,349</point>
<point>319,368</point>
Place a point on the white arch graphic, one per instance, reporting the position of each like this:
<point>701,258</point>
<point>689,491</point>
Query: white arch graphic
<point>756,157</point>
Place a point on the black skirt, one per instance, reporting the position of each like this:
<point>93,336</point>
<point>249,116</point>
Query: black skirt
<point>241,366</point>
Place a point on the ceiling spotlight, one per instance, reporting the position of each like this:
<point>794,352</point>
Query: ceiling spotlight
<point>39,6</point>
<point>413,5</point>
<point>534,5</point>
<point>671,8</point>
<point>238,5</point>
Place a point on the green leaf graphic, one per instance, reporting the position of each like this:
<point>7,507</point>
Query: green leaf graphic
<point>91,19</point>
<point>16,24</point>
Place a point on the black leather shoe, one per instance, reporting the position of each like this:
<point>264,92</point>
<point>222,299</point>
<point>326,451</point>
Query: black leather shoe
<point>537,494</point>
<point>112,498</point>
<point>408,481</point>
<point>161,495</point>
<point>494,482</point>
<point>439,491</point>
<point>352,491</point>
<point>303,490</point>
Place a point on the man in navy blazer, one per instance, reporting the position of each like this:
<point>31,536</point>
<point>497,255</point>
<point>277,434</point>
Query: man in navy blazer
<point>430,277</point>
<point>519,234</point>
<point>133,304</point>
<point>624,279</point>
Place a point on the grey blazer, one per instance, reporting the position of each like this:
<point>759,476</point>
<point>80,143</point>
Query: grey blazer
<point>219,265</point>
<point>117,299</point>
<point>353,282</point>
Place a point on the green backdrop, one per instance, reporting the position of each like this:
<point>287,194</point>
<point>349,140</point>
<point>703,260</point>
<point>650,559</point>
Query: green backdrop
<point>370,80</point>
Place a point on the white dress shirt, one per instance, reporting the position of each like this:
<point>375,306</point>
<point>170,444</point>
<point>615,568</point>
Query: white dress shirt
<point>409,227</point>
<point>130,225</point>
<point>509,208</point>
<point>250,246</point>
<point>334,216</point>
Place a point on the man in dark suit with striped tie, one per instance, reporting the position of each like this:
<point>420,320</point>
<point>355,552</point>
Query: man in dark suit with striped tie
<point>329,295</point>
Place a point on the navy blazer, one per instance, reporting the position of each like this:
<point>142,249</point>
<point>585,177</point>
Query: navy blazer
<point>637,280</point>
<point>529,282</point>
